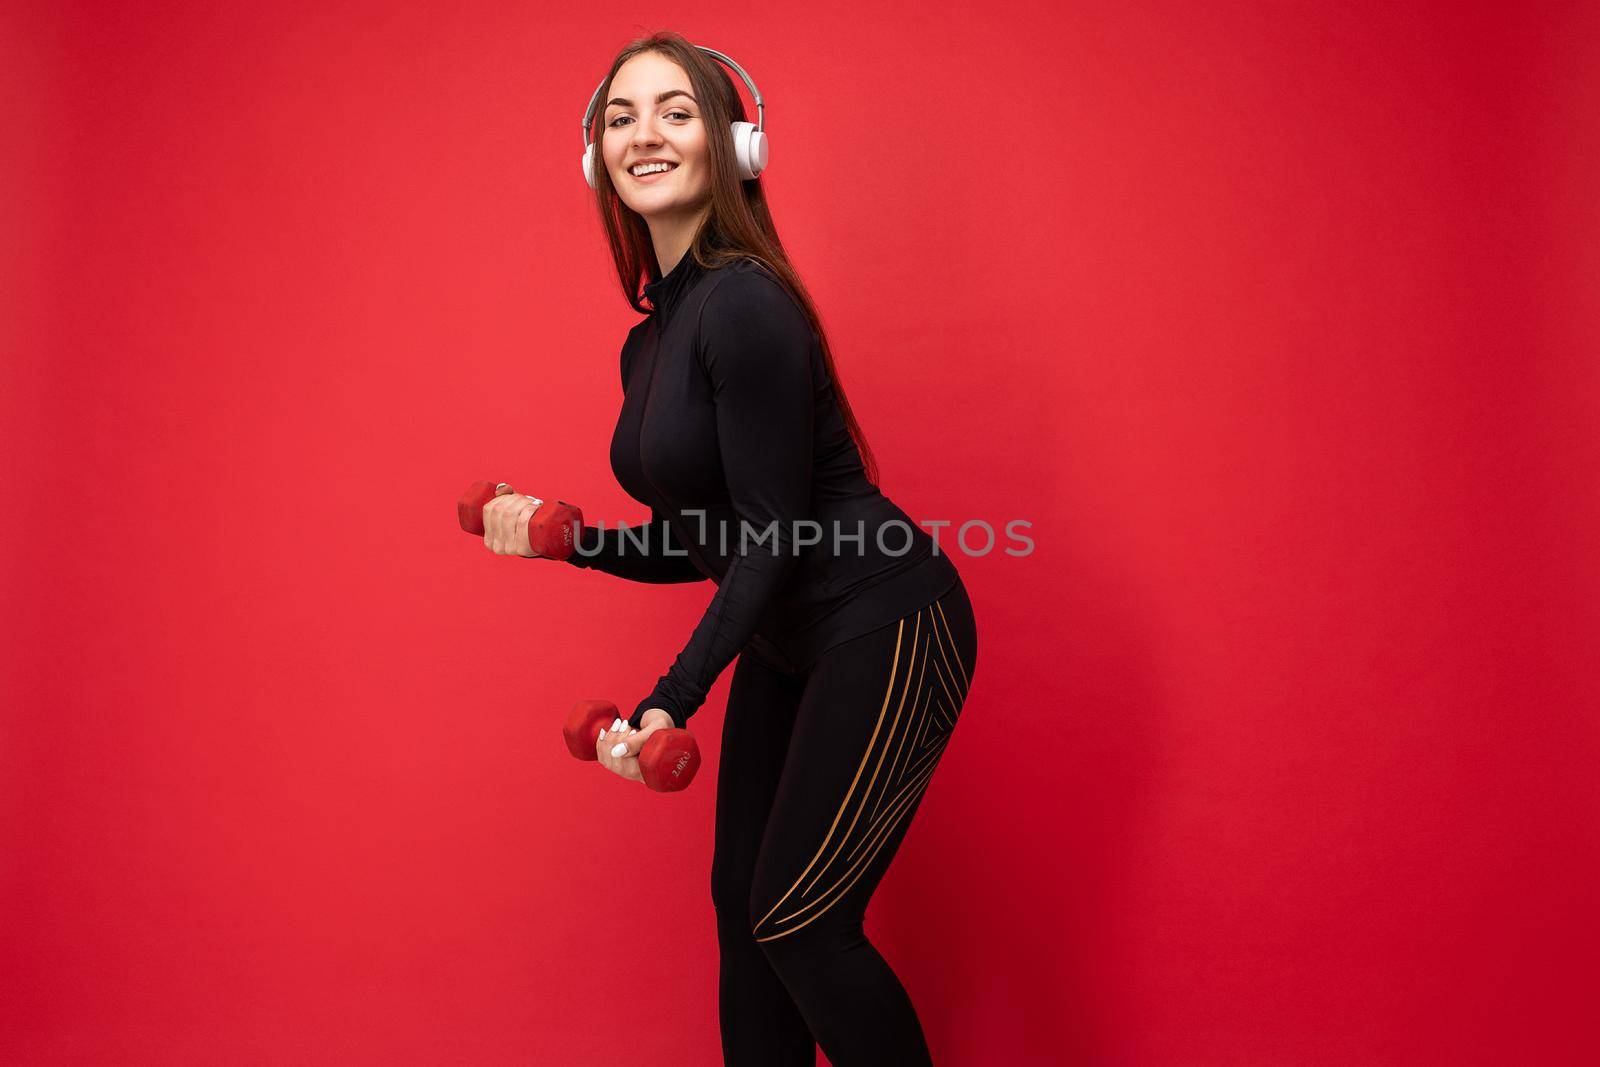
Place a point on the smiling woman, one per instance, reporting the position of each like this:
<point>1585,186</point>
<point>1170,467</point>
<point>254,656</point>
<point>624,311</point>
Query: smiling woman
<point>656,152</point>
<point>853,664</point>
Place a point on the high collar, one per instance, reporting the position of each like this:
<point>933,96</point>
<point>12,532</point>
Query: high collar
<point>665,292</point>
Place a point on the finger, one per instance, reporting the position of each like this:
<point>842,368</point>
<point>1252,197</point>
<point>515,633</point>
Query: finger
<point>627,765</point>
<point>499,522</point>
<point>503,488</point>
<point>610,738</point>
<point>523,543</point>
<point>628,743</point>
<point>492,512</point>
<point>491,526</point>
<point>615,733</point>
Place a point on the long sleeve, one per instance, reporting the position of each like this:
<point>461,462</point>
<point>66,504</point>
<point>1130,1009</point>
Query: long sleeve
<point>650,553</point>
<point>755,346</point>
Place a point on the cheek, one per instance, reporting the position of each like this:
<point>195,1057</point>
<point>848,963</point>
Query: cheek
<point>700,156</point>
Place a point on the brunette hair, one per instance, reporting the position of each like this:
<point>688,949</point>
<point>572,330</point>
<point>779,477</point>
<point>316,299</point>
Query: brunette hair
<point>738,226</point>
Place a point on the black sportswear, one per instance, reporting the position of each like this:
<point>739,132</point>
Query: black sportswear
<point>728,409</point>
<point>821,773</point>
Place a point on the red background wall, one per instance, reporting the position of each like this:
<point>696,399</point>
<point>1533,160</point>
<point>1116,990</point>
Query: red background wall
<point>1277,321</point>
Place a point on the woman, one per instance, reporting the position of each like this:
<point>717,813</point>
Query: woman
<point>854,635</point>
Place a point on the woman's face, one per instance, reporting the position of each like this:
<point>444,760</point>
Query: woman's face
<point>638,125</point>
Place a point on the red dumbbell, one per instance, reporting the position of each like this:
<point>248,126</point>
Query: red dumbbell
<point>668,760</point>
<point>553,528</point>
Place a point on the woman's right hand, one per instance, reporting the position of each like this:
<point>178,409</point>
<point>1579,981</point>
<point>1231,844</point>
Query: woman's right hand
<point>618,744</point>
<point>505,523</point>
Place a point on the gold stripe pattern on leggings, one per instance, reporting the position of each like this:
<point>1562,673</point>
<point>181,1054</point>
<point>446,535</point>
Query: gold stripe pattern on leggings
<point>927,687</point>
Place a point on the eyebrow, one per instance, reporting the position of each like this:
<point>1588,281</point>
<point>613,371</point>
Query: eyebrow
<point>661,99</point>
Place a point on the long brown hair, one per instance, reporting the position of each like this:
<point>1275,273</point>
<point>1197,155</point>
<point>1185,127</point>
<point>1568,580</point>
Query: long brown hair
<point>738,226</point>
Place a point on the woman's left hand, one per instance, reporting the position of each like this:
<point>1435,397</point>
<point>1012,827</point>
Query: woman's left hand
<point>619,744</point>
<point>505,523</point>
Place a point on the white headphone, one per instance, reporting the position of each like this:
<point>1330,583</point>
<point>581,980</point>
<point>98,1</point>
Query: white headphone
<point>749,140</point>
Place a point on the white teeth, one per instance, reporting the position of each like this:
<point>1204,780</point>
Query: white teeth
<point>651,168</point>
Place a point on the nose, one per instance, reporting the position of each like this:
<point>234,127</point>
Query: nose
<point>644,133</point>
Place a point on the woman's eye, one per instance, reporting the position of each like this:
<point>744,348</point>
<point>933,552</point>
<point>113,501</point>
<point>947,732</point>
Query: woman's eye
<point>670,114</point>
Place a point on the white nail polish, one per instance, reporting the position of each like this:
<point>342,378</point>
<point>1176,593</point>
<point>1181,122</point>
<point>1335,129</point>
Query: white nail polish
<point>602,733</point>
<point>622,747</point>
<point>615,723</point>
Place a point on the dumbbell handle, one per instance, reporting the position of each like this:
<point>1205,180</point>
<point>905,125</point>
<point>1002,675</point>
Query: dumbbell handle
<point>553,528</point>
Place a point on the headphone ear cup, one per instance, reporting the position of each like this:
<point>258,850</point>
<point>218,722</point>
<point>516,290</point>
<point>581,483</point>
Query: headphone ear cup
<point>758,152</point>
<point>750,148</point>
<point>588,166</point>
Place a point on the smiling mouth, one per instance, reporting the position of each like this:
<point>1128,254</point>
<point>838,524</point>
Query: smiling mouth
<point>652,174</point>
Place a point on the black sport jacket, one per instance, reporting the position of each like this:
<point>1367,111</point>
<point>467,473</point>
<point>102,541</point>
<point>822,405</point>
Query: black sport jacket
<point>729,429</point>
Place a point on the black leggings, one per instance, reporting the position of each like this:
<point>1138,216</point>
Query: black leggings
<point>820,774</point>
